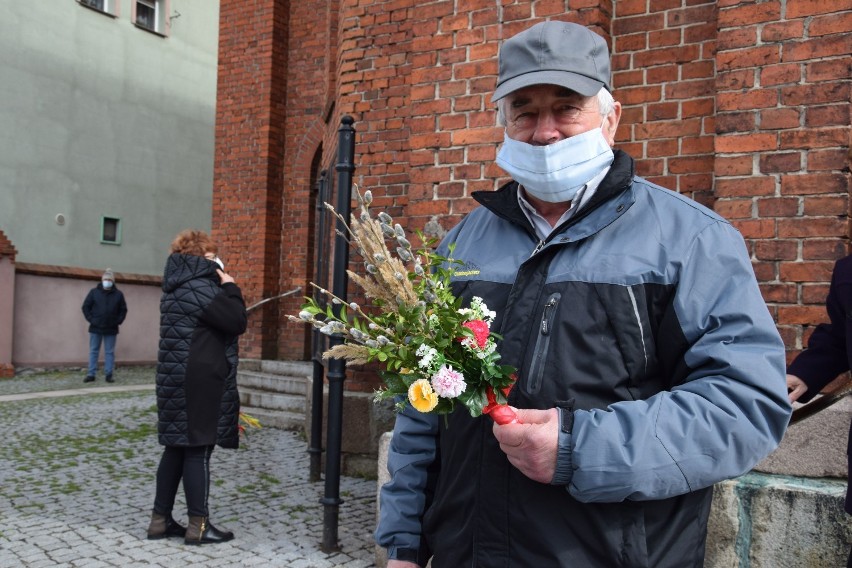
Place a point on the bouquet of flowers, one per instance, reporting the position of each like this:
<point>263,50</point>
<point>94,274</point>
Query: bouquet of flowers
<point>434,353</point>
<point>246,421</point>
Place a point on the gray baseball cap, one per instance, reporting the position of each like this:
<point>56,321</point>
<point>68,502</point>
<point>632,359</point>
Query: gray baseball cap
<point>554,53</point>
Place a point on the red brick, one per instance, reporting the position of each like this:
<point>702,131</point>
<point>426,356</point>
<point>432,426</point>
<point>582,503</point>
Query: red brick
<point>811,184</point>
<point>780,118</point>
<point>815,294</point>
<point>799,314</point>
<point>827,159</point>
<point>826,206</point>
<point>776,162</point>
<point>755,228</point>
<point>698,107</point>
<point>827,46</point>
<point>829,70</point>
<point>777,207</point>
<point>831,115</point>
<point>815,94</point>
<point>812,227</point>
<point>733,165</point>
<point>734,80</point>
<point>782,31</point>
<point>752,57</point>
<point>780,293</point>
<point>734,38</point>
<point>741,187</point>
<point>734,208</point>
<point>806,271</point>
<point>745,14</point>
<point>809,139</point>
<point>801,8</point>
<point>780,74</point>
<point>735,143</point>
<point>819,249</point>
<point>776,250</point>
<point>835,23</point>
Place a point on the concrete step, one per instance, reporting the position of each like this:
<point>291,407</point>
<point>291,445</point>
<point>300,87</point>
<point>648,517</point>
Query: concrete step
<point>265,381</point>
<point>278,419</point>
<point>272,400</point>
<point>301,369</point>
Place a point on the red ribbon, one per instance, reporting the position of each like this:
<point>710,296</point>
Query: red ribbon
<point>500,413</point>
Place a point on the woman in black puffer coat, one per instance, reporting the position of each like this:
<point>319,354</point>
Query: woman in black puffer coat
<point>202,313</point>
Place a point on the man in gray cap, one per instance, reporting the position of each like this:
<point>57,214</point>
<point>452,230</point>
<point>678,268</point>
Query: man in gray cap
<point>648,365</point>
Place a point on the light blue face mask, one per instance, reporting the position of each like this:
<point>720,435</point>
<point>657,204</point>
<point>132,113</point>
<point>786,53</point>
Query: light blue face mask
<point>556,172</point>
<point>107,284</point>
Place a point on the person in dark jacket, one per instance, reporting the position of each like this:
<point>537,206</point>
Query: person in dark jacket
<point>202,313</point>
<point>649,367</point>
<point>105,309</point>
<point>829,353</point>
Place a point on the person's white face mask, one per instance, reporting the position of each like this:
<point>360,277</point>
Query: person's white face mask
<point>107,284</point>
<point>218,261</point>
<point>556,172</point>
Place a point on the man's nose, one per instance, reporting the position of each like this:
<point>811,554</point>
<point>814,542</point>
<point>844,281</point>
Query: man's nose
<point>546,131</point>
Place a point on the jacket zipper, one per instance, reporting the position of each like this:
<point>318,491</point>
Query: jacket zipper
<point>639,323</point>
<point>542,343</point>
<point>537,248</point>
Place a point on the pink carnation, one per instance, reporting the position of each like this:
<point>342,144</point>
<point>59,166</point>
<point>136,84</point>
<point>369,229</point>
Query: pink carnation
<point>480,331</point>
<point>448,382</point>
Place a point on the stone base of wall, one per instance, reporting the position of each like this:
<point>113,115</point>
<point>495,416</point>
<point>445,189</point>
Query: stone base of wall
<point>364,422</point>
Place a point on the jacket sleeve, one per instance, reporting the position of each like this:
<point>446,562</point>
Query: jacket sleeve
<point>826,356</point>
<point>227,311</point>
<point>87,306</point>
<point>728,413</point>
<point>122,309</point>
<point>403,499</point>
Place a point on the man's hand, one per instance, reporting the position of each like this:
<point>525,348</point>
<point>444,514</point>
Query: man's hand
<point>531,445</point>
<point>401,564</point>
<point>224,278</point>
<point>796,387</point>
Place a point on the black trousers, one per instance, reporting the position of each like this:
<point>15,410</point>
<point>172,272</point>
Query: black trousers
<point>193,466</point>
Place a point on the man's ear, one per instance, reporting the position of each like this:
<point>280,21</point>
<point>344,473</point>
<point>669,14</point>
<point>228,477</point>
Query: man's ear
<point>610,124</point>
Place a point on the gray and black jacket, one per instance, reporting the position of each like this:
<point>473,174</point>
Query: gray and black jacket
<point>640,317</point>
<point>198,402</point>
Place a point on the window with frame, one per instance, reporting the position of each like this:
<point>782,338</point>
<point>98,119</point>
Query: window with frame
<point>149,16</point>
<point>106,6</point>
<point>111,230</point>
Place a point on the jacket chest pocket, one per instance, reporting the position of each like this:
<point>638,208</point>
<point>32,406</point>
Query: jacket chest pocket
<point>545,333</point>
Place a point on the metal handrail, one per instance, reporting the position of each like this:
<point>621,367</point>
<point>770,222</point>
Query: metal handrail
<point>293,291</point>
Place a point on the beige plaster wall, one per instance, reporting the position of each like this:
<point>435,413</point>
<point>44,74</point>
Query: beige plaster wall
<point>50,328</point>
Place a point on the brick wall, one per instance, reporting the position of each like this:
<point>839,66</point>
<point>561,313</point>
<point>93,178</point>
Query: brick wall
<point>782,147</point>
<point>743,106</point>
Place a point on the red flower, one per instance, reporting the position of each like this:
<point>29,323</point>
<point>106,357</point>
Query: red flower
<point>480,331</point>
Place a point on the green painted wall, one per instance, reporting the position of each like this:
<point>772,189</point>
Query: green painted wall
<point>101,118</point>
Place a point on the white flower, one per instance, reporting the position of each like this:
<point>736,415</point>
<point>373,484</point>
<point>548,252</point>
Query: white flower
<point>427,355</point>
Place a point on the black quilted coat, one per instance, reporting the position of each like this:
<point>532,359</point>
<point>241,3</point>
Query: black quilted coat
<point>197,399</point>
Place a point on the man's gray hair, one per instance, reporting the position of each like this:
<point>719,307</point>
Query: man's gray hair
<point>605,104</point>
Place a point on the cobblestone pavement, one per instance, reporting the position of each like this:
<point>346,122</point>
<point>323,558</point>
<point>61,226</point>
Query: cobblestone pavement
<point>77,484</point>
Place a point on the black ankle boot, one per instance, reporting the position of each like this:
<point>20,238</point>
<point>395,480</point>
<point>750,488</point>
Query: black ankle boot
<point>201,531</point>
<point>163,526</point>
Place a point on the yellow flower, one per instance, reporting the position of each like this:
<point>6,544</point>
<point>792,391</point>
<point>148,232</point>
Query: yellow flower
<point>421,396</point>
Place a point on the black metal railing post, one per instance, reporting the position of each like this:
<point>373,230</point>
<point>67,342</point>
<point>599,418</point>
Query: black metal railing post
<point>318,344</point>
<point>337,367</point>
